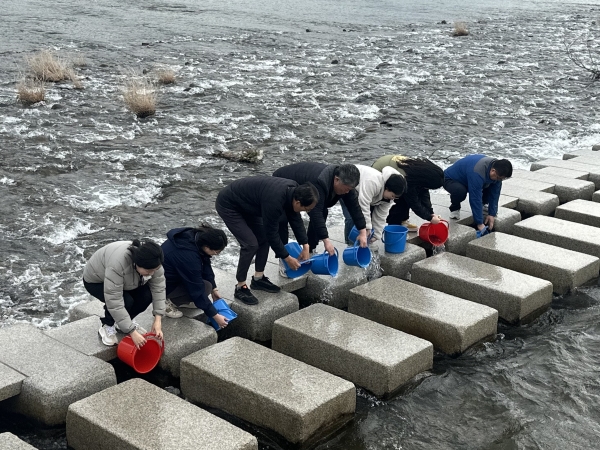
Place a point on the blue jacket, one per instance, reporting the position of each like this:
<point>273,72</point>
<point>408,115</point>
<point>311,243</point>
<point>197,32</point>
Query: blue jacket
<point>186,265</point>
<point>474,172</point>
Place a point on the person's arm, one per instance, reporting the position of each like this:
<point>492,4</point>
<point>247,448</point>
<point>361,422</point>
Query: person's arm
<point>475,197</point>
<point>495,190</point>
<point>366,194</point>
<point>351,202</point>
<point>190,272</point>
<point>418,200</point>
<point>379,214</point>
<point>158,287</point>
<point>317,216</point>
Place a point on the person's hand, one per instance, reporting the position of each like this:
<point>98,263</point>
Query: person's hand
<point>480,227</point>
<point>489,221</point>
<point>215,295</point>
<point>292,262</point>
<point>305,254</point>
<point>137,339</point>
<point>221,320</point>
<point>362,238</point>
<point>157,327</point>
<point>435,219</point>
<point>329,247</point>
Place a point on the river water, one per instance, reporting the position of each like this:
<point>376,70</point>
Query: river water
<point>326,80</point>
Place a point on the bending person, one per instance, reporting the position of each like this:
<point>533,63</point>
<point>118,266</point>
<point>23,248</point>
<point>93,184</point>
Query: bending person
<point>481,177</point>
<point>421,176</point>
<point>333,183</point>
<point>127,276</point>
<point>188,270</point>
<point>251,209</point>
<point>376,190</point>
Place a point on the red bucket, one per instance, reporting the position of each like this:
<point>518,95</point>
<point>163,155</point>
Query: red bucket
<point>146,358</point>
<point>435,234</point>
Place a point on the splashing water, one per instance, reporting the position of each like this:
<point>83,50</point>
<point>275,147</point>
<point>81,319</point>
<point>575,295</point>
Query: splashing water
<point>374,270</point>
<point>438,249</point>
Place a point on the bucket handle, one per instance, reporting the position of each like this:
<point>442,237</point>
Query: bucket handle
<point>156,338</point>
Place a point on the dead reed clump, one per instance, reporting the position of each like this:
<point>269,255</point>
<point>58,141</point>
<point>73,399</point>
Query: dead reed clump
<point>30,91</point>
<point>460,29</point>
<point>140,96</point>
<point>166,76</point>
<point>47,66</point>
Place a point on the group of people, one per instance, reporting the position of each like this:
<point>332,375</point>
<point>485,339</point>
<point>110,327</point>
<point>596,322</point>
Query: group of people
<point>258,211</point>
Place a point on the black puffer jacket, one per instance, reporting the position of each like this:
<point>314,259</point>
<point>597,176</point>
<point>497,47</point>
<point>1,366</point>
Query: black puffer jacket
<point>267,197</point>
<point>321,175</point>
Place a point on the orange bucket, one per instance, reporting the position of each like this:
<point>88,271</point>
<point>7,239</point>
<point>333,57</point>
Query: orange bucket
<point>435,234</point>
<point>146,358</point>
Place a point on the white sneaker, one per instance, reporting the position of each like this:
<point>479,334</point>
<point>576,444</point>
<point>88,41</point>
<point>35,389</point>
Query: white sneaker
<point>455,214</point>
<point>282,272</point>
<point>108,335</point>
<point>137,326</point>
<point>485,209</point>
<point>172,311</point>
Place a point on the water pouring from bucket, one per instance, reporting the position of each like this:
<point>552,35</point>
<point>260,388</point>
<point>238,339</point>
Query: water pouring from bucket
<point>144,359</point>
<point>435,234</point>
<point>354,234</point>
<point>357,256</point>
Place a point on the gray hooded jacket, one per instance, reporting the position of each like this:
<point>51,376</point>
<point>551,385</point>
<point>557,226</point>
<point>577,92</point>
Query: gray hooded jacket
<point>113,266</point>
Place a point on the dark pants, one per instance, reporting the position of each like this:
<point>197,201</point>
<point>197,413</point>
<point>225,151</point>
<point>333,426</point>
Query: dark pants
<point>179,296</point>
<point>311,232</point>
<point>136,301</point>
<point>250,233</point>
<point>458,193</point>
<point>399,213</point>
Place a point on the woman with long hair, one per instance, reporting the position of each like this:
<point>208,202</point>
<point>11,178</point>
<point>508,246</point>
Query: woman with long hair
<point>421,175</point>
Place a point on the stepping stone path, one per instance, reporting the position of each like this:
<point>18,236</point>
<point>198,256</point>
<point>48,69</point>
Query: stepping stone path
<point>580,211</point>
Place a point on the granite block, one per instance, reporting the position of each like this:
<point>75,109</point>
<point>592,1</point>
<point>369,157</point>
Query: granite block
<point>561,233</point>
<point>567,189</point>
<point>514,295</point>
<point>532,202</point>
<point>10,382</point>
<point>266,388</point>
<point>82,335</point>
<point>86,309</point>
<point>505,221</point>
<point>576,153</point>
<point>591,159</point>
<point>524,183</point>
<point>596,196</point>
<point>450,323</point>
<point>564,173</point>
<point>57,375</point>
<point>9,441</point>
<point>366,353</point>
<point>161,421</point>
<point>580,211</point>
<point>565,269</point>
<point>399,264</point>
<point>592,171</point>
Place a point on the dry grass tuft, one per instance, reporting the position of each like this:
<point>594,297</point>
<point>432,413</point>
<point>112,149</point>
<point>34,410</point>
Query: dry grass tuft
<point>46,66</point>
<point>460,29</point>
<point>166,76</point>
<point>30,91</point>
<point>140,96</point>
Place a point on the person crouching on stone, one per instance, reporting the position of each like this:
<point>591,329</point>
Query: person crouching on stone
<point>251,209</point>
<point>421,176</point>
<point>188,271</point>
<point>127,277</point>
<point>376,193</point>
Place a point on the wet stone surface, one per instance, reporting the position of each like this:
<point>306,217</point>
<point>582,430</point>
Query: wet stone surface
<point>580,211</point>
<point>9,441</point>
<point>10,382</point>
<point>567,189</point>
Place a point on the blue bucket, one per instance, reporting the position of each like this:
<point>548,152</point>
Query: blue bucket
<point>294,250</point>
<point>394,238</point>
<point>222,308</point>
<point>357,256</point>
<point>354,234</point>
<point>325,264</point>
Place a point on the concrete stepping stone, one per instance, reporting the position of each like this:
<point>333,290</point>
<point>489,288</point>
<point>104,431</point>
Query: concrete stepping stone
<point>567,189</point>
<point>565,269</point>
<point>524,183</point>
<point>138,415</point>
<point>564,173</point>
<point>450,323</point>
<point>443,199</point>
<point>532,202</point>
<point>514,295</point>
<point>591,159</point>
<point>505,222</point>
<point>82,335</point>
<point>57,375</point>
<point>561,233</point>
<point>580,211</point>
<point>596,196</point>
<point>366,353</point>
<point>266,388</point>
<point>86,309</point>
<point>576,153</point>
<point>592,171</point>
<point>10,382</point>
<point>9,441</point>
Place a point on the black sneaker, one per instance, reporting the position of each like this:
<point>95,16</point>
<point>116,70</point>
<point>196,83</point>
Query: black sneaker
<point>264,284</point>
<point>244,295</point>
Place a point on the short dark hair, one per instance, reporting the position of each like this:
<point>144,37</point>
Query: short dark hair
<point>348,174</point>
<point>396,184</point>
<point>147,255</point>
<point>213,238</point>
<point>503,168</point>
<point>306,194</point>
